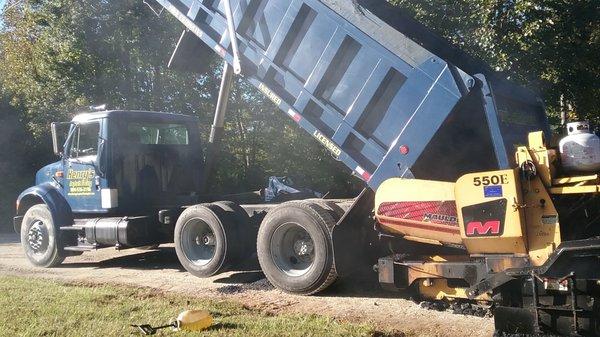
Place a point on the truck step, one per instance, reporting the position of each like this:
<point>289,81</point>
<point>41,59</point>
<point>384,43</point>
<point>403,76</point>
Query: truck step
<point>71,228</point>
<point>81,248</point>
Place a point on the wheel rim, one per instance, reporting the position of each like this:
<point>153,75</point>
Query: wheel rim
<point>198,241</point>
<point>292,249</point>
<point>37,237</point>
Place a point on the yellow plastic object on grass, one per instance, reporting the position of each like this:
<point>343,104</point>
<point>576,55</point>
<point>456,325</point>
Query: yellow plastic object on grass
<point>194,320</point>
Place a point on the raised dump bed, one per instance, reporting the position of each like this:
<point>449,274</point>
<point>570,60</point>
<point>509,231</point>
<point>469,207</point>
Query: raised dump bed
<point>387,97</point>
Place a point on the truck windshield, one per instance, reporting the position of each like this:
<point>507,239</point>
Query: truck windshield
<point>85,140</point>
<point>157,134</point>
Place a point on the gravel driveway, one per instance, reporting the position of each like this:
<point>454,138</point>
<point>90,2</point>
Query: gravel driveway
<point>348,300</point>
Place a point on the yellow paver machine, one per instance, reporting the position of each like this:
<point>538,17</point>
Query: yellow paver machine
<point>527,237</point>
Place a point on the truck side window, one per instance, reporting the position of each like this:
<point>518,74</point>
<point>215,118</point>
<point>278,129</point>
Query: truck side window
<point>85,140</point>
<point>158,134</point>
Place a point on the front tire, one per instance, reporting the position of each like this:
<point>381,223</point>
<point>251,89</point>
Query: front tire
<point>40,238</point>
<point>295,250</point>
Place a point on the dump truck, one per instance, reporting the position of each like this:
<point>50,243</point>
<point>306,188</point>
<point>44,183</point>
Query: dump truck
<point>468,197</point>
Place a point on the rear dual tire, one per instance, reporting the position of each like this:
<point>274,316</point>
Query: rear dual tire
<point>213,238</point>
<point>205,240</point>
<point>294,246</point>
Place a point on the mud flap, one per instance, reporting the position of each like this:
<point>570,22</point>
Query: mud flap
<point>350,236</point>
<point>514,320</point>
<point>17,221</point>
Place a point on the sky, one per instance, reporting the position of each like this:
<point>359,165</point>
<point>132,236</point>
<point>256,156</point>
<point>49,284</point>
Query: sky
<point>2,2</point>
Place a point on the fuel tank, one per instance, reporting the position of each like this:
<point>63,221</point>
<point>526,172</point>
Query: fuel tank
<point>580,149</point>
<point>119,231</point>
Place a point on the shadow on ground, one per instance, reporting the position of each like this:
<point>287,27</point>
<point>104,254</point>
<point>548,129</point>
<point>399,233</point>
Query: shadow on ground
<point>362,282</point>
<point>160,258</point>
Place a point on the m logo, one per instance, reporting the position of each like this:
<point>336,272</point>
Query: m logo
<point>485,219</point>
<point>488,228</point>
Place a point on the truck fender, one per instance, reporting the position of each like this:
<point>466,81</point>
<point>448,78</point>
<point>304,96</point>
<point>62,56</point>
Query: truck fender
<point>44,194</point>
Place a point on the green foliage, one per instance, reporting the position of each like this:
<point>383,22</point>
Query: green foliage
<point>261,142</point>
<point>551,46</point>
<point>13,139</point>
<point>62,55</point>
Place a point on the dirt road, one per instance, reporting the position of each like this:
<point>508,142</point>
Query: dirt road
<point>347,300</point>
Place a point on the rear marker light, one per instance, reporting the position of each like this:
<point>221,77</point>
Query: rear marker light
<point>220,50</point>
<point>364,174</point>
<point>295,116</point>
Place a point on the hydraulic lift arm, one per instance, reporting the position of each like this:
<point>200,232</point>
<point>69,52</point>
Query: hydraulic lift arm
<point>237,68</point>
<point>216,131</point>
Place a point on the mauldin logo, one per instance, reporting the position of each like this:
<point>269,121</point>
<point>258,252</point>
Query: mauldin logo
<point>485,219</point>
<point>487,228</point>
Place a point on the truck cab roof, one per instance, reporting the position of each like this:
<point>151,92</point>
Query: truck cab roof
<point>133,114</point>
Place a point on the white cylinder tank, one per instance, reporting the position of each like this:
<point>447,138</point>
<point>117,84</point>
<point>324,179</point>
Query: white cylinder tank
<point>580,149</point>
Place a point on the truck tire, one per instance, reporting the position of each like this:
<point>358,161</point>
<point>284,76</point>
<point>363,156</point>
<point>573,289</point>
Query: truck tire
<point>40,238</point>
<point>206,241</point>
<point>294,247</point>
<point>247,232</point>
<point>330,206</point>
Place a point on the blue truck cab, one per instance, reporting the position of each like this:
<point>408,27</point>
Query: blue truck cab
<point>118,170</point>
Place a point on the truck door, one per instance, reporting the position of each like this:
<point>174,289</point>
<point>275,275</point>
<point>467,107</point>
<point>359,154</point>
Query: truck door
<point>83,181</point>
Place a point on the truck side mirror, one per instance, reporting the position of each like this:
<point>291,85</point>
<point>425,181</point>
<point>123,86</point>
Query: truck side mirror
<point>58,137</point>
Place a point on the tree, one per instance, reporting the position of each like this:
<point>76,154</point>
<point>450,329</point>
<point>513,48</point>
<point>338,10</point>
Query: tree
<point>551,46</point>
<point>60,55</point>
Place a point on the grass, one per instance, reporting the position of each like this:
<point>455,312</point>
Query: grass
<point>34,307</point>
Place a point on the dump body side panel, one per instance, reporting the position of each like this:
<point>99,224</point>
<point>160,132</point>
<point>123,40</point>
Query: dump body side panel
<point>369,93</point>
